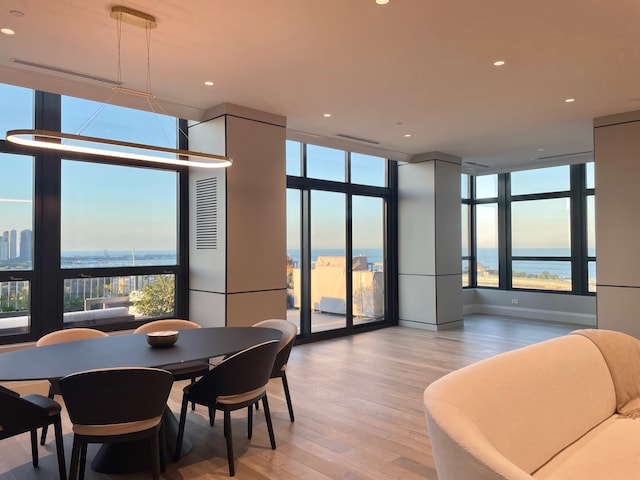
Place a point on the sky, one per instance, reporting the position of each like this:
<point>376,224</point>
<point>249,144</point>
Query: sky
<point>328,208</point>
<point>104,207</point>
<point>535,223</point>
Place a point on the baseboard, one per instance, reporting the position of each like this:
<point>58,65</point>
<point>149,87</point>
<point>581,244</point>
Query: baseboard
<point>431,326</point>
<point>582,319</point>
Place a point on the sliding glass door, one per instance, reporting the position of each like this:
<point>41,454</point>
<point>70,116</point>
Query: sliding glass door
<point>338,210</point>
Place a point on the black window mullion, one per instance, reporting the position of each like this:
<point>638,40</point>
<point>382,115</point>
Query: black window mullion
<point>504,231</point>
<point>349,260</point>
<point>579,254</point>
<point>47,299</point>
<point>305,263</point>
<point>473,246</point>
<point>390,250</point>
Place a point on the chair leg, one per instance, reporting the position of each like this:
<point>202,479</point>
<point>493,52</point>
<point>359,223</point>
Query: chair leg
<point>227,434</point>
<point>75,459</point>
<point>155,454</point>
<point>267,416</point>
<point>57,428</point>
<point>43,438</point>
<point>83,460</point>
<point>212,415</point>
<point>193,404</point>
<point>34,448</point>
<point>183,419</point>
<point>250,421</point>
<point>162,448</point>
<point>287,395</point>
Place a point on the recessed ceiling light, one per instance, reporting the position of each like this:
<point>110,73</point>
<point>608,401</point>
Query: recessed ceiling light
<point>16,13</point>
<point>209,84</point>
<point>541,149</point>
<point>327,115</point>
<point>7,31</point>
<point>382,2</point>
<point>407,135</point>
<point>499,63</point>
<point>569,100</point>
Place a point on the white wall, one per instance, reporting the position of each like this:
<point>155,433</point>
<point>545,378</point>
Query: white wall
<point>551,307</point>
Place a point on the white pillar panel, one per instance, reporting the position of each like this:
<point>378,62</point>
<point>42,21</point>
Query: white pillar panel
<point>429,239</point>
<point>618,309</point>
<point>242,279</point>
<point>207,309</point>
<point>617,196</point>
<point>256,209</point>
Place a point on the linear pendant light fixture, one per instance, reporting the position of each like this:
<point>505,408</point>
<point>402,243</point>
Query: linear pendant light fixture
<point>82,144</point>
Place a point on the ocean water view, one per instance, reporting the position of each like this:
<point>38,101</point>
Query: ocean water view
<point>117,258</point>
<point>488,258</point>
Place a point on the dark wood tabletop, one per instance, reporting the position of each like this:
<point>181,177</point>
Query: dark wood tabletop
<point>127,350</point>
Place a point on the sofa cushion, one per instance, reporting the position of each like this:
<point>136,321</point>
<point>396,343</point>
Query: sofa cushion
<point>611,451</point>
<point>521,407</point>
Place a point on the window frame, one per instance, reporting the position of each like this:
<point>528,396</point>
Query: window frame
<point>305,185</point>
<point>579,257</point>
<point>47,277</point>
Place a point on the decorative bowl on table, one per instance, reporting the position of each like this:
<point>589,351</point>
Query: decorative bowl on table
<point>163,339</point>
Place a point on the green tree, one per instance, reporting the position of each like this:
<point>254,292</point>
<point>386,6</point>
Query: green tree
<point>156,298</point>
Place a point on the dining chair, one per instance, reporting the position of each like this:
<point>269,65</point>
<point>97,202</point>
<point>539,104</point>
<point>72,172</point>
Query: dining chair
<point>116,405</point>
<point>26,413</point>
<point>181,371</point>
<point>64,336</point>
<point>289,332</point>
<point>236,382</point>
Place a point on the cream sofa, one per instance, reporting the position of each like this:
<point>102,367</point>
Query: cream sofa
<point>559,409</point>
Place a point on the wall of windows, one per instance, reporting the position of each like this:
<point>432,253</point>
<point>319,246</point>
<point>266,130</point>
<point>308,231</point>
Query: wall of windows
<point>87,241</point>
<point>339,205</point>
<point>530,230</point>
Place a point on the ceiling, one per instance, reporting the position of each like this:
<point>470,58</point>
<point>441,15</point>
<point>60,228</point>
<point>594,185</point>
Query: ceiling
<point>418,67</point>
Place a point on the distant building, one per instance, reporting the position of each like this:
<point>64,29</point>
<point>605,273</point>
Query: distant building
<point>4,247</point>
<point>13,244</point>
<point>26,241</point>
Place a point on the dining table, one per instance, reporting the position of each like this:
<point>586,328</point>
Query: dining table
<point>130,350</point>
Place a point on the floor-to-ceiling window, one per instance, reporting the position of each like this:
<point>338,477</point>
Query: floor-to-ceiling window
<point>339,205</point>
<point>532,230</point>
<point>88,241</point>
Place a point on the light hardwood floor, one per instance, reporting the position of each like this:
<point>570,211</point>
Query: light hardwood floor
<point>358,406</point>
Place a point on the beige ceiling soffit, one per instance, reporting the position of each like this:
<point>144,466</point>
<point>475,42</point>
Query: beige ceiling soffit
<point>633,116</point>
<point>244,112</point>
<point>430,156</point>
<point>64,71</point>
<point>343,144</point>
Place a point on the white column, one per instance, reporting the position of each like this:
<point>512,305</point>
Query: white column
<point>429,239</point>
<point>242,279</point>
<point>617,196</point>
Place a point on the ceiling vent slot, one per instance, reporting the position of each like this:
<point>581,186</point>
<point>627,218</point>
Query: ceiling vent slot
<point>357,139</point>
<point>65,71</point>
<point>477,165</point>
<point>207,214</point>
<point>564,155</point>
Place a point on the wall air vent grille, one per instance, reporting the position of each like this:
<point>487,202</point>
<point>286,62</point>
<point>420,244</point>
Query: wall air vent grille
<point>207,214</point>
